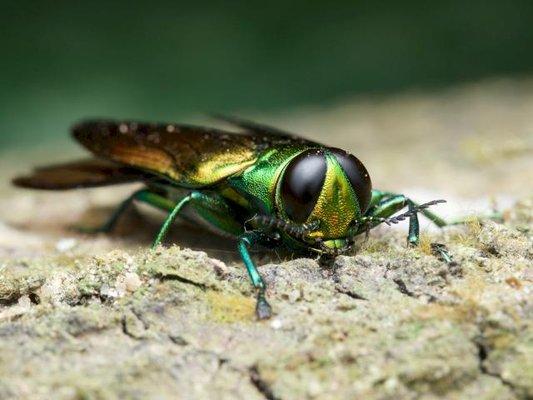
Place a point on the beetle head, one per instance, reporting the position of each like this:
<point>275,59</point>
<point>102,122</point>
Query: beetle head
<point>328,188</point>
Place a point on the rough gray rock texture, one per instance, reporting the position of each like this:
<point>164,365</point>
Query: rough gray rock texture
<point>102,317</point>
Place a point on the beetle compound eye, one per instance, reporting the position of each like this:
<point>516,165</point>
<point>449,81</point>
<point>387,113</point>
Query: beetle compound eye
<point>302,183</point>
<point>357,175</point>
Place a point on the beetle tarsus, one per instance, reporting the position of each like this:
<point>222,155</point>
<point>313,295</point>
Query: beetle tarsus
<point>262,309</point>
<point>413,241</point>
<point>441,251</point>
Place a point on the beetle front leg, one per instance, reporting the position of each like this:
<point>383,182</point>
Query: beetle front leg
<point>383,202</point>
<point>262,309</point>
<point>387,204</point>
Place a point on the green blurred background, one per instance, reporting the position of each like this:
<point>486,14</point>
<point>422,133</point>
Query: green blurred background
<point>167,60</point>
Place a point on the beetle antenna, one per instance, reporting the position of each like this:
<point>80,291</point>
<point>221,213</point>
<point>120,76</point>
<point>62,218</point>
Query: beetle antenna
<point>399,218</point>
<point>295,230</point>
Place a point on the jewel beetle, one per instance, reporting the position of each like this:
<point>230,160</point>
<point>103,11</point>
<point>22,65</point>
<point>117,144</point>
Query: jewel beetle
<point>258,184</point>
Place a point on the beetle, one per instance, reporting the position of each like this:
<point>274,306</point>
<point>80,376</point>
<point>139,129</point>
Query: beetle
<point>258,184</point>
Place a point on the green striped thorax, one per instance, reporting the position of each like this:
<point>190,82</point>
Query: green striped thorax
<point>326,188</point>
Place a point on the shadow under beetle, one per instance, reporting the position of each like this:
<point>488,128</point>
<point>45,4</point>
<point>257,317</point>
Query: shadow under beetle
<point>261,185</point>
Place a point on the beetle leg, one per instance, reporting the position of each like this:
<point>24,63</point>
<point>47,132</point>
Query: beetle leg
<point>262,309</point>
<point>378,197</point>
<point>386,204</point>
<point>143,195</point>
<point>413,237</point>
<point>204,203</point>
<point>212,209</point>
<point>171,218</point>
<point>386,207</point>
<point>441,251</point>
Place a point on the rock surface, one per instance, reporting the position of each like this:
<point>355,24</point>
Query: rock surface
<point>85,317</point>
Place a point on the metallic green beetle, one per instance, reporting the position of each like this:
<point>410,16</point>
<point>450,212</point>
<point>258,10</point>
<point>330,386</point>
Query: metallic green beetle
<point>261,185</point>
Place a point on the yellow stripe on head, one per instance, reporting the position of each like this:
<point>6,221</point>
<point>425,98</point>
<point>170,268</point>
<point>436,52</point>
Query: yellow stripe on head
<point>337,204</point>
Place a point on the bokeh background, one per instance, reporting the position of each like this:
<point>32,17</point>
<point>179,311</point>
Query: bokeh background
<point>170,60</point>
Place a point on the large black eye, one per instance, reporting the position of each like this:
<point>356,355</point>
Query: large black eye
<point>357,175</point>
<point>302,183</point>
